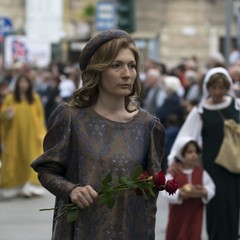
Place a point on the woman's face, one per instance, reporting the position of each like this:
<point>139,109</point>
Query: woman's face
<point>217,91</point>
<point>23,85</point>
<point>191,155</point>
<point>118,79</point>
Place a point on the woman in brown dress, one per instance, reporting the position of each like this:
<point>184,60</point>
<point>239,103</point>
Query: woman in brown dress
<point>101,130</point>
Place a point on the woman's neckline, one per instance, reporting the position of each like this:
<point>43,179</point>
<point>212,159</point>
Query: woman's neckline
<point>224,104</point>
<point>116,122</point>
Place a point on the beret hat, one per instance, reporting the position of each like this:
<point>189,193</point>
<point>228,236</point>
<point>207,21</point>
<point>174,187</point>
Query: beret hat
<point>94,43</point>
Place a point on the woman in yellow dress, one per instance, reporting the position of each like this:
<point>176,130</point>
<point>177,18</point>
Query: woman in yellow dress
<point>22,133</point>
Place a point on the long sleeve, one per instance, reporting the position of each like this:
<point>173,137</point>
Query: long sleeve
<point>191,127</point>
<point>156,147</point>
<point>51,165</point>
<point>39,118</point>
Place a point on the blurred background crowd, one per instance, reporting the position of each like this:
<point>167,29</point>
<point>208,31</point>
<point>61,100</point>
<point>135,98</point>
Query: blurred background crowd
<point>168,93</point>
<point>40,44</point>
<point>179,41</point>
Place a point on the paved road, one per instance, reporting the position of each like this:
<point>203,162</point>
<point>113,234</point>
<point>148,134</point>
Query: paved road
<point>20,219</point>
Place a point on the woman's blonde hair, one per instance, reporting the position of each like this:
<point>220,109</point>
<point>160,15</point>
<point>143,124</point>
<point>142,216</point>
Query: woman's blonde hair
<point>102,59</point>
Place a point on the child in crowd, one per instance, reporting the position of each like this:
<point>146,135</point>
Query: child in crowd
<point>196,188</point>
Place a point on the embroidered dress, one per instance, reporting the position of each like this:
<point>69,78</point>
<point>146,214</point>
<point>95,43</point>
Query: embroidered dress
<point>81,148</point>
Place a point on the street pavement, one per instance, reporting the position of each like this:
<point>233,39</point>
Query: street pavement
<point>20,218</point>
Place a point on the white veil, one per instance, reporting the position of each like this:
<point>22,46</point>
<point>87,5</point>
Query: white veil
<point>207,77</point>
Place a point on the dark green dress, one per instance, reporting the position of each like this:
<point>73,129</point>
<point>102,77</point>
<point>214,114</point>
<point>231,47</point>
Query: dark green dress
<point>81,147</point>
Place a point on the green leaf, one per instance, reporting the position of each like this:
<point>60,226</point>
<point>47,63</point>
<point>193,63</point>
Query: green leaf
<point>123,180</point>
<point>132,184</point>
<point>72,215</point>
<point>143,185</point>
<point>107,199</point>
<point>137,173</point>
<point>111,202</point>
<point>104,198</point>
<point>107,180</point>
<point>144,194</point>
<point>106,190</point>
<point>151,191</point>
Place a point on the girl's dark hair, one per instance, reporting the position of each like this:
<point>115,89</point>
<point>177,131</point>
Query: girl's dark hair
<point>29,92</point>
<point>102,59</point>
<point>184,149</point>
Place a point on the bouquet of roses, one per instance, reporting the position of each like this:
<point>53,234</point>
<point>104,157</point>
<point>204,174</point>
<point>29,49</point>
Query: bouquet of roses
<point>143,185</point>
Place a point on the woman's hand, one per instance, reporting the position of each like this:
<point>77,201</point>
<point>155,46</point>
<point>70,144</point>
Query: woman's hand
<point>83,196</point>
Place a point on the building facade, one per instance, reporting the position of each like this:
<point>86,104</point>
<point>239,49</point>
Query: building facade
<point>165,30</point>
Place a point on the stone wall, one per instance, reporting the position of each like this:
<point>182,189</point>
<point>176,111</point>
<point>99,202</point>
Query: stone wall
<point>185,27</point>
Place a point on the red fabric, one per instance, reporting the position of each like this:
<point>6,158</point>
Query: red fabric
<point>185,220</point>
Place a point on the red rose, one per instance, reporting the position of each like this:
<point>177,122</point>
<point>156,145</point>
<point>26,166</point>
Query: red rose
<point>138,191</point>
<point>171,186</point>
<point>144,175</point>
<point>159,179</point>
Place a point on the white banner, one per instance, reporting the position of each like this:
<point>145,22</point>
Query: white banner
<point>44,20</point>
<point>19,50</point>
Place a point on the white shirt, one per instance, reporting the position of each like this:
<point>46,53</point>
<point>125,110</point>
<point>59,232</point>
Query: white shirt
<point>66,88</point>
<point>207,183</point>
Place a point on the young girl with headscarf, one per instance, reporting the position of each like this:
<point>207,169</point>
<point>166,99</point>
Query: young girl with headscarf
<point>196,189</point>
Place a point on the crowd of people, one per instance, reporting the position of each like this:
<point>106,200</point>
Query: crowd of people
<point>195,103</point>
<point>27,98</point>
<point>113,117</point>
